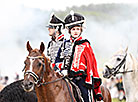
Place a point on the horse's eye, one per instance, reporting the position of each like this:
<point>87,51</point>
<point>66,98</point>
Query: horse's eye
<point>118,59</point>
<point>42,60</point>
<point>39,64</point>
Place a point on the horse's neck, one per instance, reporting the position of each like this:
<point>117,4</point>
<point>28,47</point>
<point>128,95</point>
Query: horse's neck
<point>55,91</point>
<point>41,94</point>
<point>44,92</point>
<point>131,63</point>
<point>130,78</point>
<point>48,69</point>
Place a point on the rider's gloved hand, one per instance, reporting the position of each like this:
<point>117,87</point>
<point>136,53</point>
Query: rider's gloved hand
<point>64,72</point>
<point>99,97</point>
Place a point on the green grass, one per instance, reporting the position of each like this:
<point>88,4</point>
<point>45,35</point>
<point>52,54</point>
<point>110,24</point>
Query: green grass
<point>116,100</point>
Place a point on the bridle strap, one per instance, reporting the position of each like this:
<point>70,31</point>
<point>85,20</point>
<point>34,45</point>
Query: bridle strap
<point>115,71</point>
<point>37,57</point>
<point>119,66</point>
<point>35,76</point>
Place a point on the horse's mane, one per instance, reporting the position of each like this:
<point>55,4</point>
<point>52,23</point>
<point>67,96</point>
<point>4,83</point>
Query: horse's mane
<point>135,62</point>
<point>15,93</point>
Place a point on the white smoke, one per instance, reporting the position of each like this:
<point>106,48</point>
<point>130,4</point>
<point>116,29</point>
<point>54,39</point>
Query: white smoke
<point>107,37</point>
<point>17,25</point>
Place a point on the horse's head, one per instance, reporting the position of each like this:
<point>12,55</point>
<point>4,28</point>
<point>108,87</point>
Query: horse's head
<point>34,67</point>
<point>113,65</point>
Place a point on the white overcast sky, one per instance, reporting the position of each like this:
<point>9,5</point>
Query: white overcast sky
<point>59,4</point>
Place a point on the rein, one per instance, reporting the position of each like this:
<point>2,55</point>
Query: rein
<point>46,83</point>
<point>125,72</point>
<point>38,80</point>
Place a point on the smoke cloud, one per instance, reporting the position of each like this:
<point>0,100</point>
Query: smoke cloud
<point>18,24</point>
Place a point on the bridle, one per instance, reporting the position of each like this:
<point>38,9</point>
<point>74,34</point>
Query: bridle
<point>115,71</point>
<point>38,81</point>
<point>36,78</point>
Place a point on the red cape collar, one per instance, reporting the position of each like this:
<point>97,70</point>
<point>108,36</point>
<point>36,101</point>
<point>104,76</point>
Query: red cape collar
<point>77,39</point>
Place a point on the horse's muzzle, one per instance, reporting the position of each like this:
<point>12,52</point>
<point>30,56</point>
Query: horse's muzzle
<point>28,85</point>
<point>107,73</point>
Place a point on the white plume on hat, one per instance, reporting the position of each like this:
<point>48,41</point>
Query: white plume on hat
<point>72,14</point>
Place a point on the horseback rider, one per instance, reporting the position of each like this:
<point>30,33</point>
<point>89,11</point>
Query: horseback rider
<point>79,62</point>
<point>55,26</point>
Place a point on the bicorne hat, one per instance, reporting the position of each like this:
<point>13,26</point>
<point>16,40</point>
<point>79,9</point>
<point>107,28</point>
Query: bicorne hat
<point>54,22</point>
<point>74,19</point>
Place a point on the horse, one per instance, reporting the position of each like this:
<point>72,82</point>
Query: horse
<point>123,62</point>
<point>14,92</point>
<point>38,74</point>
<point>106,94</point>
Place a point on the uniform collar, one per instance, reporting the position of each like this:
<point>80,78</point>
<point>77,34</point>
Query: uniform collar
<point>61,36</point>
<point>77,39</point>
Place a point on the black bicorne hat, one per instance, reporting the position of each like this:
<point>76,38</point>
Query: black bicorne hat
<point>54,22</point>
<point>74,19</point>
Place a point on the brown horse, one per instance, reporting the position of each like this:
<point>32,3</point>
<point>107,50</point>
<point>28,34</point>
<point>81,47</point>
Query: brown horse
<point>106,94</point>
<point>38,74</point>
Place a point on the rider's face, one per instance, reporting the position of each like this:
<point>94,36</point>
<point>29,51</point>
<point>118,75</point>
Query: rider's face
<point>51,31</point>
<point>76,31</point>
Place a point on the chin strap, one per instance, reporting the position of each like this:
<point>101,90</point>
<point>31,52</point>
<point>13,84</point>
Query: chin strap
<point>53,36</point>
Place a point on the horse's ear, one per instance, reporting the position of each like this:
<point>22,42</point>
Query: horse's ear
<point>121,48</point>
<point>29,48</point>
<point>126,49</point>
<point>42,47</point>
